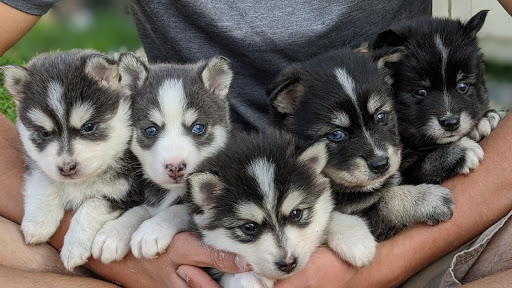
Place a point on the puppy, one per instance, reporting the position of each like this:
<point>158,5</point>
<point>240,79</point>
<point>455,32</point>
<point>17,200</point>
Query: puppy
<point>264,199</point>
<point>341,99</point>
<point>180,116</point>
<point>437,72</point>
<point>74,123</point>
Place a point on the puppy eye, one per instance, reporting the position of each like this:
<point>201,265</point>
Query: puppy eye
<point>88,127</point>
<point>296,214</point>
<point>249,228</point>
<point>462,87</point>
<point>151,131</point>
<point>198,129</point>
<point>420,93</point>
<point>45,133</point>
<point>337,135</point>
<point>381,118</point>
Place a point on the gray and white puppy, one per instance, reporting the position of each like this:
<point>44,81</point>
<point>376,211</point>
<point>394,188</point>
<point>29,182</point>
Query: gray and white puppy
<point>181,117</point>
<point>340,98</point>
<point>74,123</point>
<point>264,197</point>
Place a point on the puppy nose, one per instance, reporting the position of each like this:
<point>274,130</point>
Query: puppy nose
<point>67,169</point>
<point>287,265</point>
<point>450,123</point>
<point>176,170</point>
<point>379,165</point>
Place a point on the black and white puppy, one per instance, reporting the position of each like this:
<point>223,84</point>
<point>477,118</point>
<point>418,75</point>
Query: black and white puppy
<point>440,95</point>
<point>181,116</point>
<point>264,198</point>
<point>340,98</point>
<point>74,123</point>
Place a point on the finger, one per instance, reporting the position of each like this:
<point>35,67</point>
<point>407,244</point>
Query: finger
<point>176,281</point>
<point>196,277</point>
<point>187,249</point>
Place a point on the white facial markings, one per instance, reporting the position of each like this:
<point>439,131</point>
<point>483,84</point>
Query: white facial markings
<point>156,117</point>
<point>171,97</point>
<point>41,119</point>
<point>263,172</point>
<point>189,117</point>
<point>250,211</point>
<point>377,101</point>
<point>291,202</point>
<point>341,119</point>
<point>444,59</point>
<point>55,100</point>
<point>80,114</point>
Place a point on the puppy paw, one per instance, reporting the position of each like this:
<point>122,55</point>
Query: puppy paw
<point>245,280</point>
<point>152,238</point>
<point>111,243</point>
<point>438,203</point>
<point>351,239</point>
<point>36,232</point>
<point>473,154</point>
<point>74,252</point>
<point>484,127</point>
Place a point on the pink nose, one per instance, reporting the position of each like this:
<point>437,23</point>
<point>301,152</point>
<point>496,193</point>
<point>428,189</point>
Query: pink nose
<point>67,169</point>
<point>176,170</point>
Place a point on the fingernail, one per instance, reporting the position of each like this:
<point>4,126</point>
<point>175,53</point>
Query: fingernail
<point>242,264</point>
<point>183,275</point>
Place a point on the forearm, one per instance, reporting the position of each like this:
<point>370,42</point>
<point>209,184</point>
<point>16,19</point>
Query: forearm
<point>20,278</point>
<point>482,198</point>
<point>14,24</point>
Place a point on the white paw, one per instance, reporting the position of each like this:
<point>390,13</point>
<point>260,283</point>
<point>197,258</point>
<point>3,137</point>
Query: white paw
<point>36,232</point>
<point>245,280</point>
<point>75,251</point>
<point>473,155</point>
<point>484,127</point>
<point>152,238</point>
<point>350,237</point>
<point>438,204</point>
<point>111,243</point>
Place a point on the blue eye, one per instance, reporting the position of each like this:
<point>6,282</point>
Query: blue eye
<point>151,131</point>
<point>381,118</point>
<point>198,129</point>
<point>88,127</point>
<point>420,93</point>
<point>337,135</point>
<point>249,228</point>
<point>45,133</point>
<point>462,87</point>
<point>296,214</point>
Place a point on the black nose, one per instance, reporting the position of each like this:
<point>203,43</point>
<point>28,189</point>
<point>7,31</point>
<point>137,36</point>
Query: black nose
<point>287,265</point>
<point>450,123</point>
<point>379,165</point>
<point>67,169</point>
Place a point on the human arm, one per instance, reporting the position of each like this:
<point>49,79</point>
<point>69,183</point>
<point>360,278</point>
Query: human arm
<point>14,24</point>
<point>507,4</point>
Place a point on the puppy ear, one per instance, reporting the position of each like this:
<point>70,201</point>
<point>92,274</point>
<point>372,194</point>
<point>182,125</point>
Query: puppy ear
<point>476,22</point>
<point>315,157</point>
<point>392,55</point>
<point>388,38</point>
<point>102,69</point>
<point>204,187</point>
<point>133,72</point>
<point>217,75</point>
<point>286,91</point>
<point>15,78</point>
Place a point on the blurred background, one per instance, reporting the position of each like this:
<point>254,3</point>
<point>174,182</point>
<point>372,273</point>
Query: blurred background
<point>106,25</point>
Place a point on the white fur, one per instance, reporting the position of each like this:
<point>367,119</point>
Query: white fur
<point>80,114</point>
<point>474,154</point>
<point>444,60</point>
<point>263,172</point>
<point>434,130</point>
<point>155,234</point>
<point>485,126</point>
<point>245,280</point>
<point>41,119</point>
<point>350,237</point>
<point>379,102</point>
<point>112,242</point>
<point>247,210</point>
<point>55,91</point>
<point>341,119</point>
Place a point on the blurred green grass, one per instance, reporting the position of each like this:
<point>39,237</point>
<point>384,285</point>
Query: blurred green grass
<point>111,31</point>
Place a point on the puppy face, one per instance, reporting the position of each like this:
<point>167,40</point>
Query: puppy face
<point>73,114</point>
<point>180,116</point>
<point>341,99</point>
<point>439,82</point>
<point>278,217</point>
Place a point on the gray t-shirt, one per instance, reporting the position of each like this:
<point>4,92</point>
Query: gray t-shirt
<point>260,37</point>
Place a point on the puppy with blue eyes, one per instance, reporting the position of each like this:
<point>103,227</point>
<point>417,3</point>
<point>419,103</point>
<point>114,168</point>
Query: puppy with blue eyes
<point>180,116</point>
<point>440,95</point>
<point>342,99</point>
<point>74,123</point>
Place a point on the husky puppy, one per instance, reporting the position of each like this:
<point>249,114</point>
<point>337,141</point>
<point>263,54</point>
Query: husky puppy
<point>264,199</point>
<point>440,95</point>
<point>74,123</point>
<point>340,98</point>
<point>180,116</point>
